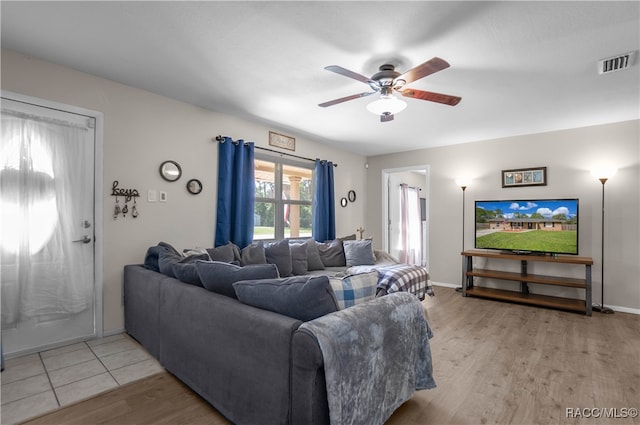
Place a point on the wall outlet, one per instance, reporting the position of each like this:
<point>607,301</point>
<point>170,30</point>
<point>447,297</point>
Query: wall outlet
<point>163,196</point>
<point>152,195</point>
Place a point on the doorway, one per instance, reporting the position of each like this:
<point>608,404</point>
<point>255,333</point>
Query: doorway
<point>50,220</point>
<point>416,177</point>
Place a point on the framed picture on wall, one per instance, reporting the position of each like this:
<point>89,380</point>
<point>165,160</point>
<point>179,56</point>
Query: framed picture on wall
<point>524,177</point>
<point>281,141</point>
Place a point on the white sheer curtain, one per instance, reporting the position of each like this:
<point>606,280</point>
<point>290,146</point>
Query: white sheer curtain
<point>410,225</point>
<point>41,271</point>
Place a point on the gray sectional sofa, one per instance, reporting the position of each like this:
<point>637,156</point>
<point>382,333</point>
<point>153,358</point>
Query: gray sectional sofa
<point>255,366</point>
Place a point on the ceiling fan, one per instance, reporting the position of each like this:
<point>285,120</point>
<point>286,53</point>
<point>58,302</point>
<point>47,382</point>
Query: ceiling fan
<point>387,80</point>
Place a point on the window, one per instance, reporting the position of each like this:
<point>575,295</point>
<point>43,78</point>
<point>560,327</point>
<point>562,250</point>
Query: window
<point>284,194</point>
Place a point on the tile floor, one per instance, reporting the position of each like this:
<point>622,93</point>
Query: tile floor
<point>41,382</point>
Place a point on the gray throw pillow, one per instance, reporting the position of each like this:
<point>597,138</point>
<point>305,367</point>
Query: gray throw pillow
<point>167,258</point>
<point>253,254</point>
<point>187,273</point>
<point>359,253</point>
<point>278,253</point>
<point>152,256</point>
<point>226,253</point>
<point>218,277</point>
<point>299,258</point>
<point>332,253</point>
<point>301,297</point>
<point>314,262</point>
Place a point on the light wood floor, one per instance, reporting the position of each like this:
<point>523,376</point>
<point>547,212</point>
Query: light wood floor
<point>494,363</point>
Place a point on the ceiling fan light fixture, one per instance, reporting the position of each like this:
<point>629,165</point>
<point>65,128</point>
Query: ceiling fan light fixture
<point>386,104</point>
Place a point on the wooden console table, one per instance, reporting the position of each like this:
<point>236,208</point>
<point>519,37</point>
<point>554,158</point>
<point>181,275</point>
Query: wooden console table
<point>523,296</point>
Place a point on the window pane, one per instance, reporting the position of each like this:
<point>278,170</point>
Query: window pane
<point>265,179</point>
<point>296,183</point>
<point>297,221</point>
<point>263,224</point>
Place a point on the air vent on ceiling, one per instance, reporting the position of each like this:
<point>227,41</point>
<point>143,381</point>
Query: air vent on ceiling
<point>616,63</point>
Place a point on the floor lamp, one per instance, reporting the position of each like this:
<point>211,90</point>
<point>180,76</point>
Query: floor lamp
<point>601,308</point>
<point>463,185</point>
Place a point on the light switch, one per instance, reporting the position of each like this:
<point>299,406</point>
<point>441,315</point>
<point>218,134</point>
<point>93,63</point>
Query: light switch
<point>163,196</point>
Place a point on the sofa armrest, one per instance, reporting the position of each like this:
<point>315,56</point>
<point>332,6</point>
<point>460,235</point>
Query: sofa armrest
<point>141,292</point>
<point>308,386</point>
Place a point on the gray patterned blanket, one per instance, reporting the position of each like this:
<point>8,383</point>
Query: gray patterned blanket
<point>376,354</point>
<point>400,277</point>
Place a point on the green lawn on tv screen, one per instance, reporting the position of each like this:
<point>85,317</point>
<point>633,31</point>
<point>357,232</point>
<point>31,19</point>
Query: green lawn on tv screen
<point>536,240</point>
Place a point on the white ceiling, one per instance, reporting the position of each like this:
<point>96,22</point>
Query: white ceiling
<point>520,67</point>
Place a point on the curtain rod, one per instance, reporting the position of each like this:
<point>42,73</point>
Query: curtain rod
<point>410,187</point>
<point>221,138</point>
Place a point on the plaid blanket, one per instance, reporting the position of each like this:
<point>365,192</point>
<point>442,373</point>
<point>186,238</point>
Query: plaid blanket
<point>400,277</point>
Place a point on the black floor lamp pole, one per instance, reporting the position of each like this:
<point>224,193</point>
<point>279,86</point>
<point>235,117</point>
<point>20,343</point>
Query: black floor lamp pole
<point>601,308</point>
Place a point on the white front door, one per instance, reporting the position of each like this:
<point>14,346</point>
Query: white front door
<point>47,227</point>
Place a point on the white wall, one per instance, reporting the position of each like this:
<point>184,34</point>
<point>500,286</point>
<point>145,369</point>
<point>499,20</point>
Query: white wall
<point>142,130</point>
<point>569,156</point>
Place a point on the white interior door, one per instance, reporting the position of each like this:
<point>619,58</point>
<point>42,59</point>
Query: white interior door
<point>47,222</point>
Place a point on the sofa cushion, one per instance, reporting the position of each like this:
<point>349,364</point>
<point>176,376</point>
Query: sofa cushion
<point>354,289</point>
<point>152,256</point>
<point>301,297</point>
<point>299,263</point>
<point>332,253</point>
<point>187,273</point>
<point>359,253</point>
<point>314,262</point>
<point>218,277</point>
<point>279,253</point>
<point>225,253</point>
<point>167,258</point>
<point>253,254</point>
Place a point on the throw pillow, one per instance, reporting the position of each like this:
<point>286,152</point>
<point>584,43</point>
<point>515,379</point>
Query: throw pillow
<point>168,258</point>
<point>253,254</point>
<point>332,253</point>
<point>278,253</point>
<point>359,253</point>
<point>301,297</point>
<point>314,262</point>
<point>225,253</point>
<point>354,289</point>
<point>187,273</point>
<point>152,256</point>
<point>299,264</point>
<point>218,277</point>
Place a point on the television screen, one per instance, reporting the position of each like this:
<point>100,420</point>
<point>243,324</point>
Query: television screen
<point>528,226</point>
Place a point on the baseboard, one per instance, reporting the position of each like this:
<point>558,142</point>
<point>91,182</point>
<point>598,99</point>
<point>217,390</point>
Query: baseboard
<point>113,332</point>
<point>446,285</point>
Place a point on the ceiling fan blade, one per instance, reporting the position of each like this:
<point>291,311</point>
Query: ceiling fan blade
<point>343,71</point>
<point>344,99</point>
<point>431,96</point>
<point>386,117</point>
<point>429,67</point>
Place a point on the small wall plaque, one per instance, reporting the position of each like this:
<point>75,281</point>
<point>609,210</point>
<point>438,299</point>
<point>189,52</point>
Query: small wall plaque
<point>281,141</point>
<point>524,177</point>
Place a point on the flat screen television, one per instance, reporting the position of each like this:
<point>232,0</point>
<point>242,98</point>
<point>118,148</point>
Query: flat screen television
<point>532,226</point>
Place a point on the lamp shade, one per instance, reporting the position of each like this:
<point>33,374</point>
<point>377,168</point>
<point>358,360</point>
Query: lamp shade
<point>462,182</point>
<point>386,104</point>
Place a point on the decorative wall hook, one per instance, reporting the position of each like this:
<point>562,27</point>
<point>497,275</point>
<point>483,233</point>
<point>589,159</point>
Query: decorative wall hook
<point>128,195</point>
